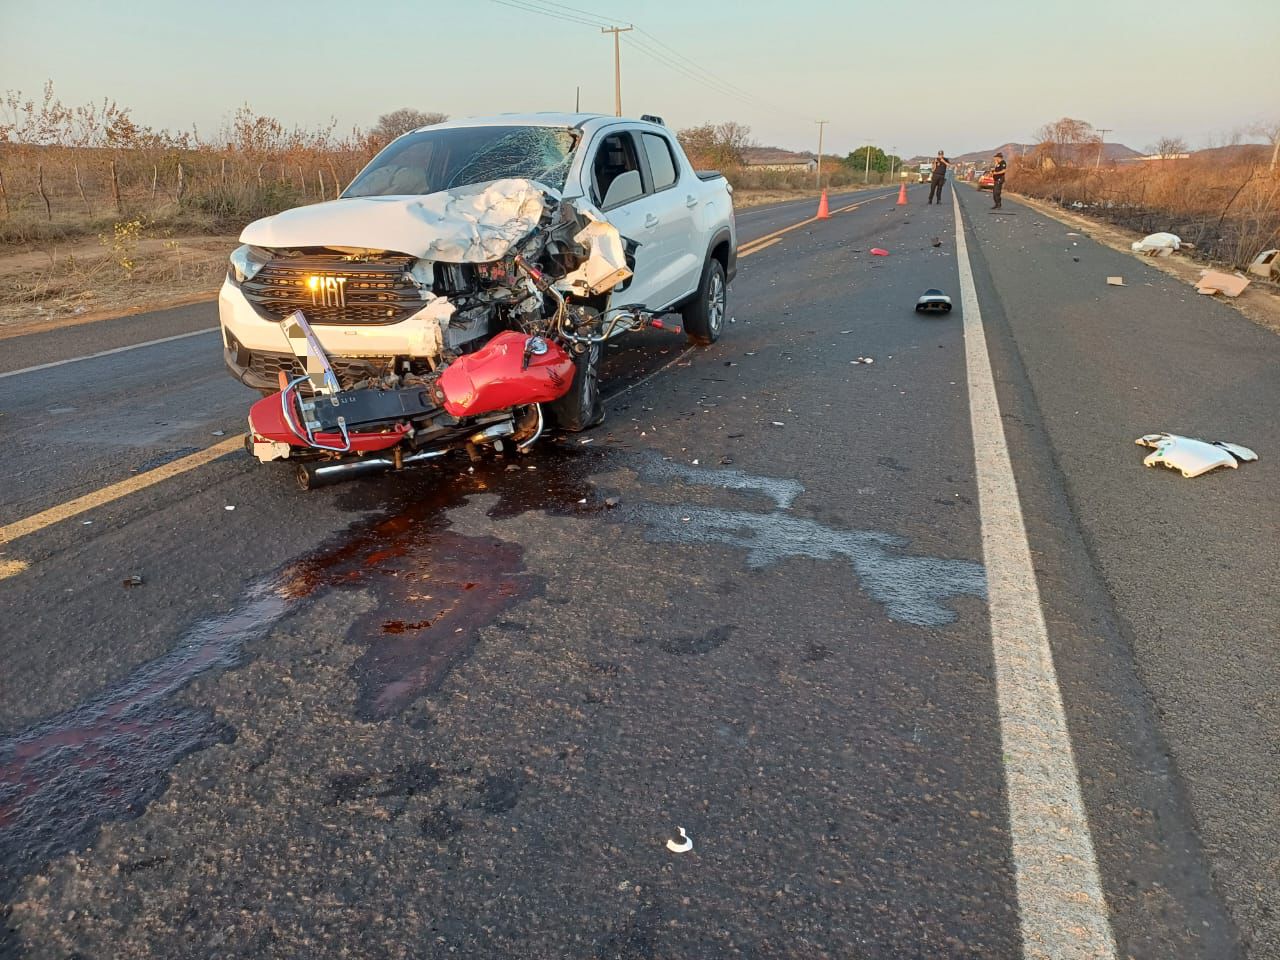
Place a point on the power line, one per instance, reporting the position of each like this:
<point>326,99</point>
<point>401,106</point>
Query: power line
<point>656,50</point>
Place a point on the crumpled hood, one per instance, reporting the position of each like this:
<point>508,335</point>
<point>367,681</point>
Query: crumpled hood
<point>472,224</point>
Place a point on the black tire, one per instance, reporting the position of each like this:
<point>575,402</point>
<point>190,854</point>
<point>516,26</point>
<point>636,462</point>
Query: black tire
<point>704,315</point>
<point>582,407</point>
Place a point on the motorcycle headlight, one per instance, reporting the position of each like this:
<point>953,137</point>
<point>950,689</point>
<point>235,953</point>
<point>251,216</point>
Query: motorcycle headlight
<point>246,261</point>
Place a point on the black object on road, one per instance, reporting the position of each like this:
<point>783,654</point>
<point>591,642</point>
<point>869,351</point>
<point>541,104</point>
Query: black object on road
<point>933,301</point>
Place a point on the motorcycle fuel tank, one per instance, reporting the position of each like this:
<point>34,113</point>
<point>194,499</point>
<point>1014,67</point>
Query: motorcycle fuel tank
<point>511,370</point>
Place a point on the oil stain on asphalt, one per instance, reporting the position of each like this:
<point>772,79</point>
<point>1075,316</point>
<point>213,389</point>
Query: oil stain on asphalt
<point>434,589</point>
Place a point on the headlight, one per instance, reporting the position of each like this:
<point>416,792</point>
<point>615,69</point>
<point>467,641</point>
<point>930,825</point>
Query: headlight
<point>246,261</point>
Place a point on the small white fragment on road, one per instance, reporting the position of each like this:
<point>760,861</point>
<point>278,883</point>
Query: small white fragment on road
<point>777,423</point>
<point>695,463</point>
<point>229,506</point>
<point>85,523</point>
<point>1115,281</point>
<point>1191,456</point>
<point>583,500</point>
<point>863,360</point>
<point>585,440</point>
<point>219,433</point>
<point>683,845</point>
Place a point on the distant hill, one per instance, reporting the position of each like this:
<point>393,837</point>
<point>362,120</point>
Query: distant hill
<point>1111,151</point>
<point>1237,153</point>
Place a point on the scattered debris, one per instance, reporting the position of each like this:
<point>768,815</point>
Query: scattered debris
<point>1193,457</point>
<point>585,440</point>
<point>86,523</point>
<point>229,507</point>
<point>683,845</point>
<point>219,433</point>
<point>133,581</point>
<point>611,502</point>
<point>863,360</point>
<point>1265,264</point>
<point>1227,284</point>
<point>1157,244</point>
<point>933,301</point>
<point>1115,281</point>
<point>777,423</point>
<point>937,241</point>
<point>877,252</point>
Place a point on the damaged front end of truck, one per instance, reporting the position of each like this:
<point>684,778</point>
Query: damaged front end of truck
<point>500,295</point>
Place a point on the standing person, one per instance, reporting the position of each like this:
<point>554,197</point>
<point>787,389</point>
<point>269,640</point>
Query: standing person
<point>997,179</point>
<point>939,176</point>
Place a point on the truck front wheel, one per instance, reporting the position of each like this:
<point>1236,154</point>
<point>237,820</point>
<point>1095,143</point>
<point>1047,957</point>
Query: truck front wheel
<point>704,314</point>
<point>582,407</point>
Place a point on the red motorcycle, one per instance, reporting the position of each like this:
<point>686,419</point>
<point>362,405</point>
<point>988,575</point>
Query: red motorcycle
<point>502,393</point>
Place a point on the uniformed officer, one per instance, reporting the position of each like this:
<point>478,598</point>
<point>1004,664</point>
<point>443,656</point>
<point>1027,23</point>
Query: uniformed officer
<point>997,180</point>
<point>938,177</point>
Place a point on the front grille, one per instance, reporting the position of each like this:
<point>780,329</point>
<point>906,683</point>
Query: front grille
<point>374,292</point>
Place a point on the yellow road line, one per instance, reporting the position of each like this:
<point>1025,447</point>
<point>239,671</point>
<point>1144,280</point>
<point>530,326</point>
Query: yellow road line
<point>63,511</point>
<point>758,247</point>
<point>759,243</point>
<point>10,568</point>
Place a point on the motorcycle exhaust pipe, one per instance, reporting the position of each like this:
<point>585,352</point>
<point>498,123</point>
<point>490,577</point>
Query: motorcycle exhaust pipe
<point>313,475</point>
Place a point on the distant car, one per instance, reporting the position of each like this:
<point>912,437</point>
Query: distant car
<point>986,182</point>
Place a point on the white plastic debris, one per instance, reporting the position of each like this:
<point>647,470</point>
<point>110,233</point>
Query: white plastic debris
<point>777,423</point>
<point>1158,244</point>
<point>1191,456</point>
<point>1115,281</point>
<point>229,507</point>
<point>683,845</point>
<point>606,263</point>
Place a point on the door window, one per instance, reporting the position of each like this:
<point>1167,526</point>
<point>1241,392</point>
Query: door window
<point>661,163</point>
<point>616,171</point>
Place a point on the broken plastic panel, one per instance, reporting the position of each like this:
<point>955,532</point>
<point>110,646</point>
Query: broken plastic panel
<point>1191,456</point>
<point>606,263</point>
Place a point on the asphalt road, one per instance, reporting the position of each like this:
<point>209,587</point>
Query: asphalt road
<point>460,711</point>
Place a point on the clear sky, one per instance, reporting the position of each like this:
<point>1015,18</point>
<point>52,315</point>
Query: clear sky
<point>917,76</point>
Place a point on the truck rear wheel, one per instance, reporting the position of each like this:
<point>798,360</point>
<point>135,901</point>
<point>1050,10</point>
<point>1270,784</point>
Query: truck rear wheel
<point>704,314</point>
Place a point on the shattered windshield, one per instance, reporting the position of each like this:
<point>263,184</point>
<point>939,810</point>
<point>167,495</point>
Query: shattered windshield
<point>435,160</point>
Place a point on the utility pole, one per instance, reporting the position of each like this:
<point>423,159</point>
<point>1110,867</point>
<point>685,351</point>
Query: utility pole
<point>893,159</point>
<point>1102,145</point>
<point>617,67</point>
<point>866,174</point>
<point>822,125</point>
<point>577,99</point>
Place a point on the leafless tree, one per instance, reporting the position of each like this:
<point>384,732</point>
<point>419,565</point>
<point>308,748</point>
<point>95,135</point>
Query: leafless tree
<point>716,144</point>
<point>1068,141</point>
<point>1168,148</point>
<point>391,125</point>
<point>1271,130</point>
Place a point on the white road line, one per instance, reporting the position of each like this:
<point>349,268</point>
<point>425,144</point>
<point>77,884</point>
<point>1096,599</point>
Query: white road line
<point>1061,905</point>
<point>107,353</point>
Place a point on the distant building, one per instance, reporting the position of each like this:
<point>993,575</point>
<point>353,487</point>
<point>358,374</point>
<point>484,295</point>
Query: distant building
<point>768,158</point>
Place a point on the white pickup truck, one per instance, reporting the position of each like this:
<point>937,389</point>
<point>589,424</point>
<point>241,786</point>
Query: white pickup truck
<point>415,264</point>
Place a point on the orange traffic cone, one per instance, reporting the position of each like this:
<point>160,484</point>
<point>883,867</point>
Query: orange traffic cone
<point>902,194</point>
<point>823,212</point>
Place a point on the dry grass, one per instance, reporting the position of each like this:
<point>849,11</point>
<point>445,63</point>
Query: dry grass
<point>80,281</point>
<point>1228,212</point>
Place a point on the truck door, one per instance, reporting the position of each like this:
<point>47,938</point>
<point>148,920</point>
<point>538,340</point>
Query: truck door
<point>620,193</point>
<point>680,234</point>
